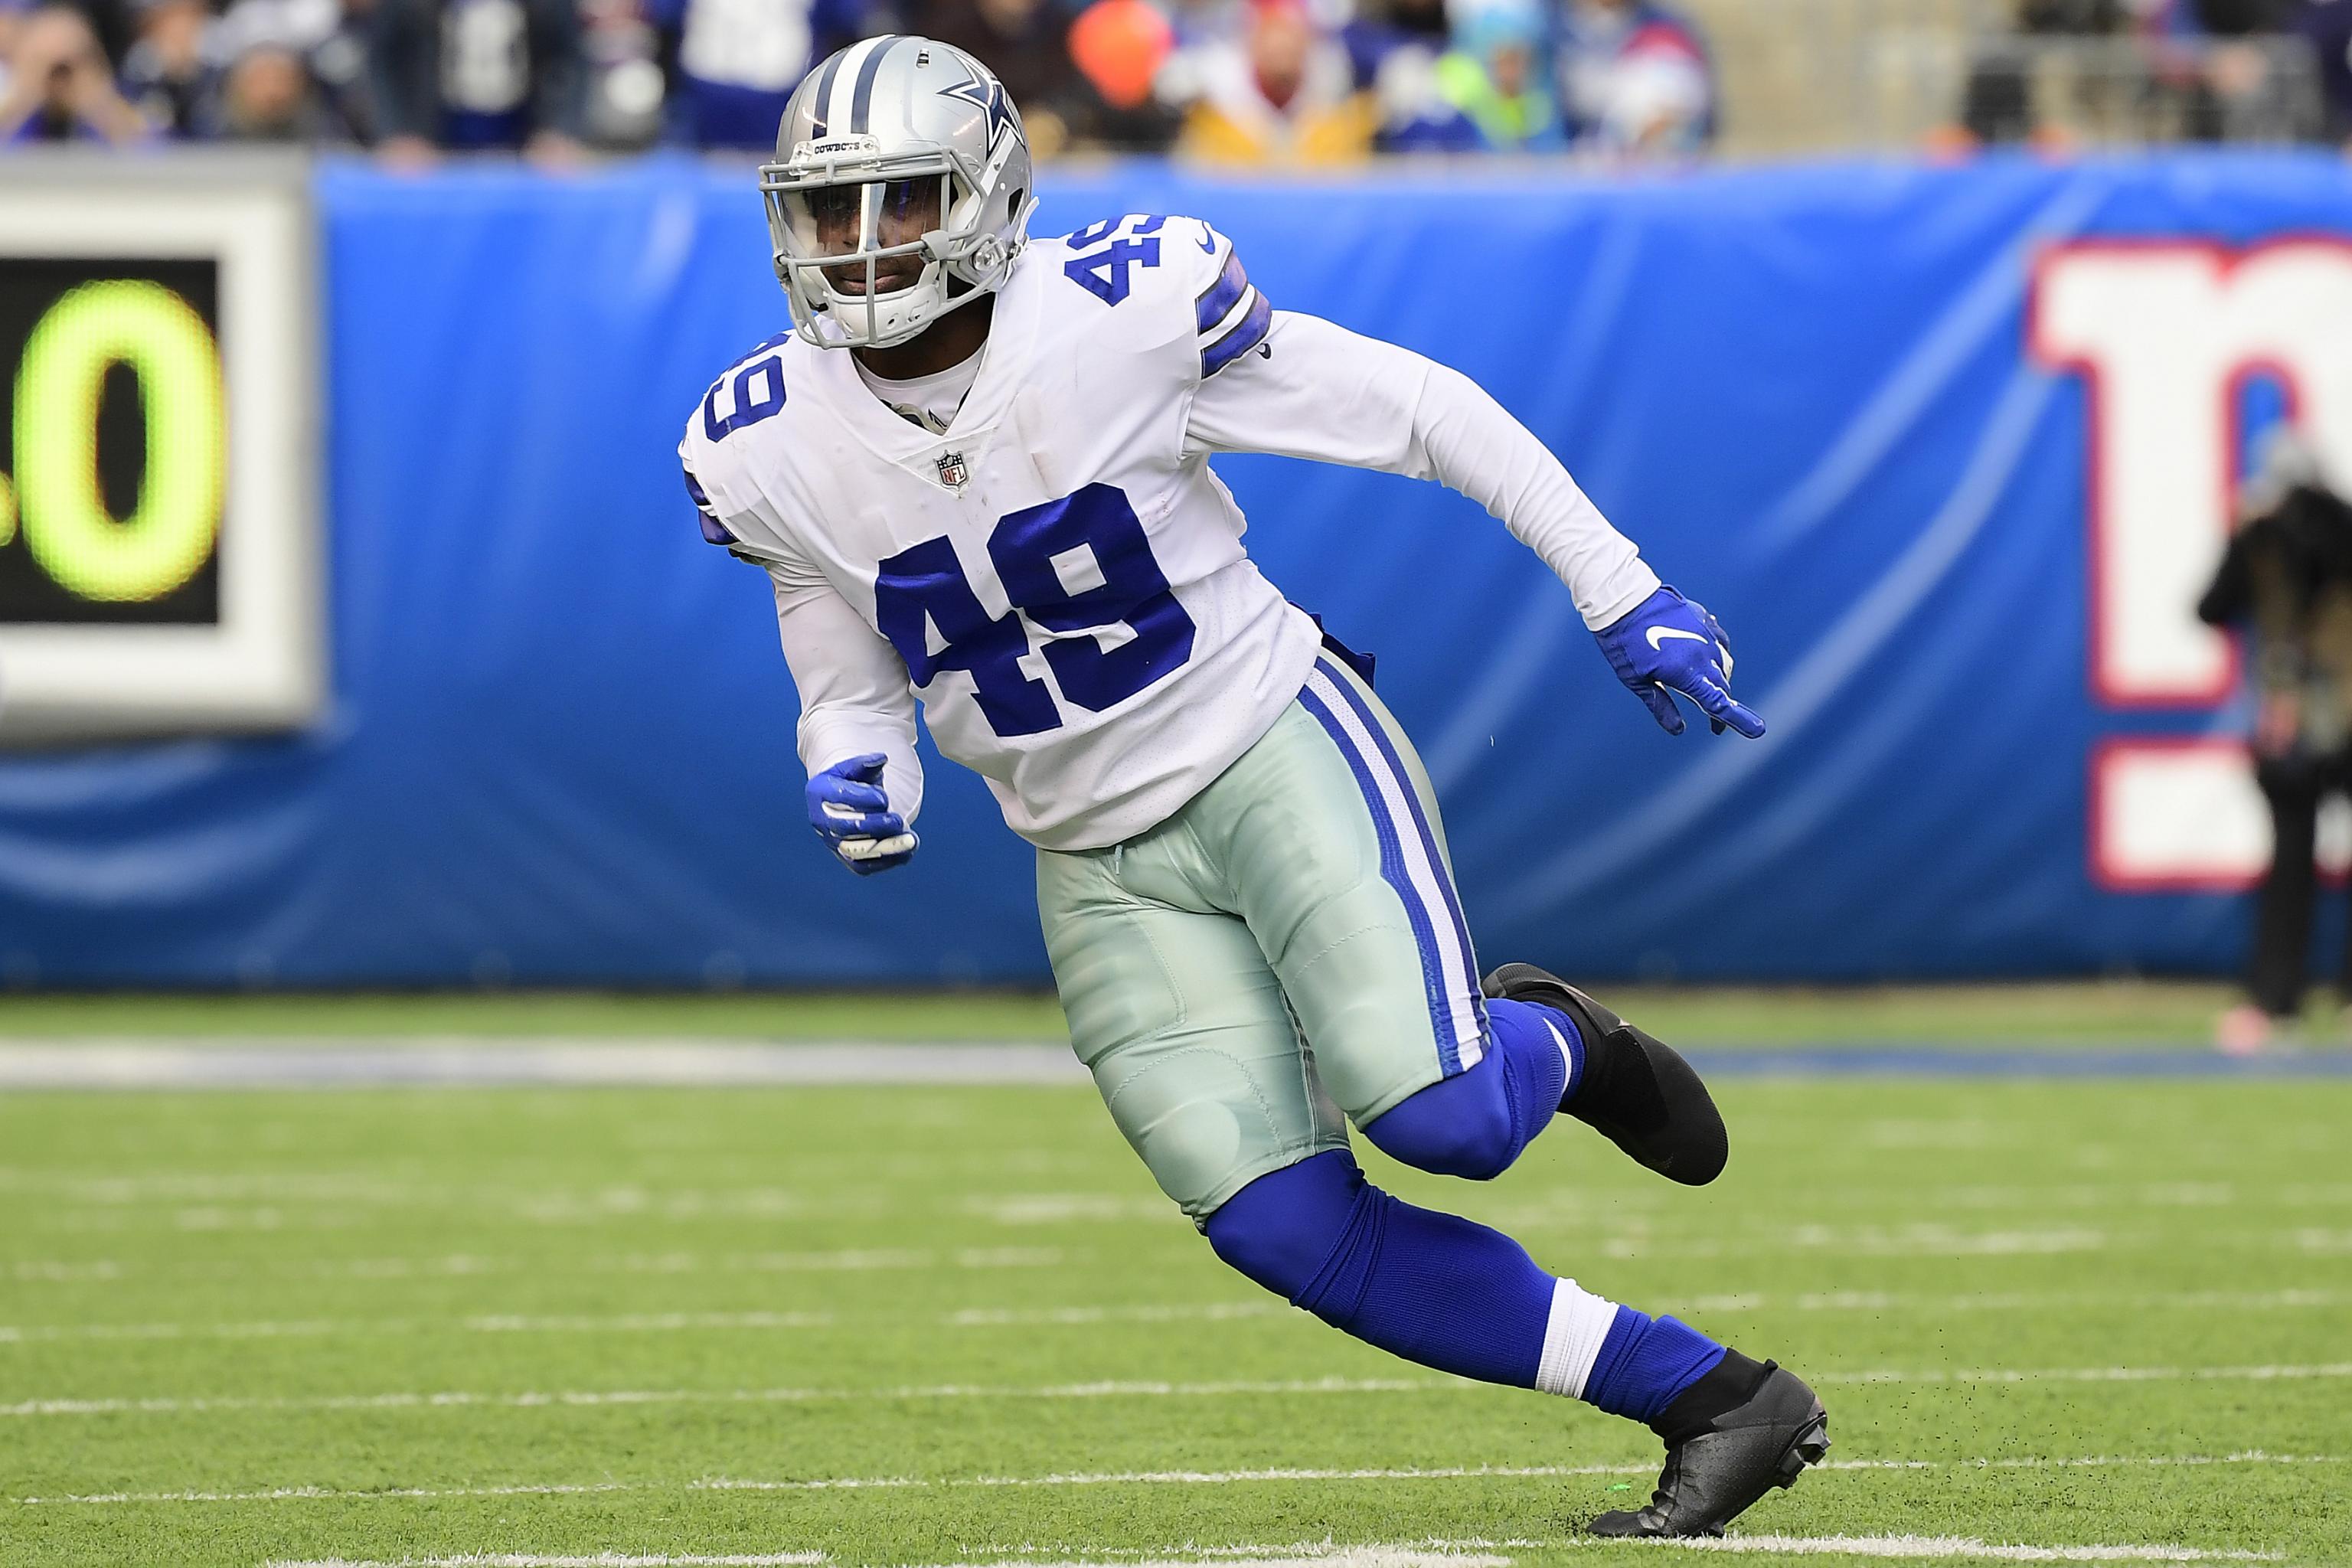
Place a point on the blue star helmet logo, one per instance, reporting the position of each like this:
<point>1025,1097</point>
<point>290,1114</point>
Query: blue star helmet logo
<point>989,97</point>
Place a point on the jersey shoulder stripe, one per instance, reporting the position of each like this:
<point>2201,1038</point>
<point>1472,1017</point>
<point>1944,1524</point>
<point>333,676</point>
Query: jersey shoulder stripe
<point>1231,315</point>
<point>713,531</point>
<point>1251,322</point>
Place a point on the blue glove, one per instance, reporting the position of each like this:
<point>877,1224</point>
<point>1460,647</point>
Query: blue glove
<point>847,807</point>
<point>1665,644</point>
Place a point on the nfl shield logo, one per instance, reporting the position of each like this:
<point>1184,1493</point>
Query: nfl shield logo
<point>952,473</point>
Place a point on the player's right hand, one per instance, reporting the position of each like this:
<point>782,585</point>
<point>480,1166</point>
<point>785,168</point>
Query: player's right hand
<point>847,807</point>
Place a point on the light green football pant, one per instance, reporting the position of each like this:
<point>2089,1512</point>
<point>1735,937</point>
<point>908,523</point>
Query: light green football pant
<point>1283,954</point>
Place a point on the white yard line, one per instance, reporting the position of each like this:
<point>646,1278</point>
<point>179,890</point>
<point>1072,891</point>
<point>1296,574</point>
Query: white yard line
<point>462,1398</point>
<point>1143,1477</point>
<point>535,1559</point>
<point>1967,1549</point>
<point>1138,1312</point>
<point>2091,1374</point>
<point>634,1323</point>
<point>1182,1478</point>
<point>470,1062</point>
<point>77,1271</point>
<point>339,1494</point>
<point>454,1399</point>
<point>1263,1557</point>
<point>1341,1557</point>
<point>1892,1548</point>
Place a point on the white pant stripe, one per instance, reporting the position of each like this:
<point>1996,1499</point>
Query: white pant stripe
<point>1394,800</point>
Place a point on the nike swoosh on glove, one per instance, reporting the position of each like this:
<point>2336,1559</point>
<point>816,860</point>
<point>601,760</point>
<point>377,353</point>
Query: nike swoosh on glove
<point>847,807</point>
<point>1669,644</point>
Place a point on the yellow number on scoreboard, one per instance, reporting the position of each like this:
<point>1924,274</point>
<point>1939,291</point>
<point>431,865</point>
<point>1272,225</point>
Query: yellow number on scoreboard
<point>170,532</point>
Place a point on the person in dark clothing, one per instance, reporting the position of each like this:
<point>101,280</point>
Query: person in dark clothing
<point>2287,578</point>
<point>1998,104</point>
<point>2327,26</point>
<point>169,73</point>
<point>59,86</point>
<point>733,64</point>
<point>1027,44</point>
<point>478,75</point>
<point>1023,42</point>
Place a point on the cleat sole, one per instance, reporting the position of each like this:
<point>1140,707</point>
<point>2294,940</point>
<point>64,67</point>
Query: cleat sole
<point>1806,1450</point>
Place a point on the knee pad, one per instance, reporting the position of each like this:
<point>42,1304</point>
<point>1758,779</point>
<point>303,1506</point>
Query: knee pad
<point>1294,1231</point>
<point>1462,1126</point>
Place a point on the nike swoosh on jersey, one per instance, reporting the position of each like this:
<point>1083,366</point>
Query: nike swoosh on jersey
<point>1657,635</point>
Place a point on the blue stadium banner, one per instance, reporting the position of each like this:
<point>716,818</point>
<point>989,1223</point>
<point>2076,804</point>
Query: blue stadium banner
<point>1951,452</point>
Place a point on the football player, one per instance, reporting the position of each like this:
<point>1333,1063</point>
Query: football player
<point>977,470</point>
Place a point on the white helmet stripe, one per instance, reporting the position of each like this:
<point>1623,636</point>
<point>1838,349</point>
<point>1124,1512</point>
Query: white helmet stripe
<point>861,101</point>
<point>845,83</point>
<point>823,92</point>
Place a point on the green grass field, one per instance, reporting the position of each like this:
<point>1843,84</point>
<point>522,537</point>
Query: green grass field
<point>917,1326</point>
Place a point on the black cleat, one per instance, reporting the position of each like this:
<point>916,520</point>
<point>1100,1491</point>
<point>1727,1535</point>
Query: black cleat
<point>1731,1437</point>
<point>1636,1091</point>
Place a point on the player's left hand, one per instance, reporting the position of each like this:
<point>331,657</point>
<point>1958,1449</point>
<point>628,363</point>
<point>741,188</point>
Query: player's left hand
<point>1670,644</point>
<point>847,807</point>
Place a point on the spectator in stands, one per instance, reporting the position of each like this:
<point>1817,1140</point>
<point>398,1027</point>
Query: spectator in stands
<point>1281,91</point>
<point>1415,32</point>
<point>2237,86</point>
<point>1118,46</point>
<point>2224,70</point>
<point>738,60</point>
<point>1635,79</point>
<point>169,73</point>
<point>61,87</point>
<point>2287,577</point>
<point>267,92</point>
<point>2327,26</point>
<point>1998,104</point>
<point>1486,94</point>
<point>327,37</point>
<point>1024,43</point>
<point>477,75</point>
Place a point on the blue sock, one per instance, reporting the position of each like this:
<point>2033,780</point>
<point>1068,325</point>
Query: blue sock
<point>1447,1293</point>
<point>1477,1123</point>
<point>1545,1037</point>
<point>1645,1361</point>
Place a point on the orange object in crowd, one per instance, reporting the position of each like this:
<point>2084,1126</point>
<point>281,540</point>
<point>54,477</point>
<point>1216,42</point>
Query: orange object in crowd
<point>1119,43</point>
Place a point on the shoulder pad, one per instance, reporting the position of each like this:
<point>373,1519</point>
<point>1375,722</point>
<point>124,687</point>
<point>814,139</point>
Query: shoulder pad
<point>1186,267</point>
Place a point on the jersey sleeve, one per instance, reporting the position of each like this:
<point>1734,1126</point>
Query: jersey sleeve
<point>714,489</point>
<point>1321,391</point>
<point>854,689</point>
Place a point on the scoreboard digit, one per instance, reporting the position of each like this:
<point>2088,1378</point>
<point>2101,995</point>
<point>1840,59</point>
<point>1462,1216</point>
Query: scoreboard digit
<point>111,497</point>
<point>158,431</point>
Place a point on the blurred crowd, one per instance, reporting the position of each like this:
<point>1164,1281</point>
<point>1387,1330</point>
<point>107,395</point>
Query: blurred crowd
<point>2207,71</point>
<point>1240,81</point>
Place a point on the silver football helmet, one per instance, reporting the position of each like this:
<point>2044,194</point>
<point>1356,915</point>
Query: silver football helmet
<point>900,190</point>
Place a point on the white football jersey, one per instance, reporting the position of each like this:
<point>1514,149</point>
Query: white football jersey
<point>1065,584</point>
<point>1059,575</point>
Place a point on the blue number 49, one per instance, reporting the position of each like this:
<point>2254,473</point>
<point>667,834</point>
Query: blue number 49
<point>1105,273</point>
<point>1093,537</point>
